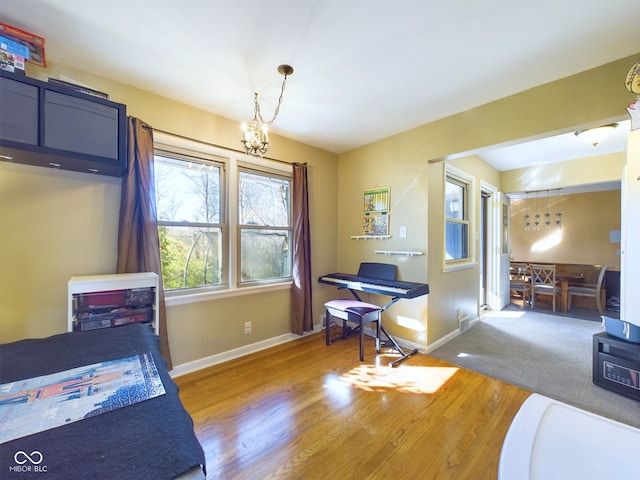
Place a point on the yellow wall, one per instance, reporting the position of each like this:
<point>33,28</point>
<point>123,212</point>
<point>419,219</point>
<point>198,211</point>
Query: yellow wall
<point>402,162</point>
<point>54,225</point>
<point>395,164</point>
<point>58,224</point>
<point>454,293</point>
<point>583,171</point>
<point>587,219</point>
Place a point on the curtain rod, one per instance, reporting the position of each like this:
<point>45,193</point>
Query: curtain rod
<point>177,135</point>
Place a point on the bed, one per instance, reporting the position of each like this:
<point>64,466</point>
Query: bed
<point>153,439</point>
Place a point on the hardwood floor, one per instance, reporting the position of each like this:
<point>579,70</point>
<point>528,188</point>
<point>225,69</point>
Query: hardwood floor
<point>305,410</point>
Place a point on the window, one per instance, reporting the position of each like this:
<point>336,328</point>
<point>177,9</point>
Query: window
<point>265,226</point>
<point>222,224</point>
<point>456,215</point>
<point>191,223</point>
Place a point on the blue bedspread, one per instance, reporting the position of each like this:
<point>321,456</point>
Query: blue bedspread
<point>151,440</point>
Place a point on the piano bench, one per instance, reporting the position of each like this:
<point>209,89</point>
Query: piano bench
<point>353,311</point>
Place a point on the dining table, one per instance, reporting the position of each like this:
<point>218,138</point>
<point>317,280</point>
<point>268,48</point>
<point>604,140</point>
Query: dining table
<point>564,278</point>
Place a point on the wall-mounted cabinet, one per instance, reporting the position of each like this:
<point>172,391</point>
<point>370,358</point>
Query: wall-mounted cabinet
<point>49,125</point>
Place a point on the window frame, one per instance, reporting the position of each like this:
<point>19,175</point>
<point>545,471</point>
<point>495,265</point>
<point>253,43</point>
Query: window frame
<point>467,182</point>
<point>205,159</point>
<point>167,145</point>
<point>269,173</point>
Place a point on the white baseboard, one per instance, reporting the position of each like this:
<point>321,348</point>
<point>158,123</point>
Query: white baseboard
<point>205,362</point>
<point>199,364</point>
<point>409,345</point>
<point>447,338</point>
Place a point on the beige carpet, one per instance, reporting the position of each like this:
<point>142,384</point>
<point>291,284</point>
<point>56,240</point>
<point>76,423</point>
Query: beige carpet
<point>545,353</point>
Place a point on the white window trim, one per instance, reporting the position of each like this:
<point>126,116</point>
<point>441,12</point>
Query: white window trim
<point>260,170</point>
<point>231,287</point>
<point>184,297</point>
<point>461,176</point>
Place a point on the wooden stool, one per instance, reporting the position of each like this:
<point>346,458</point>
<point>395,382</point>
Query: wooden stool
<point>357,312</point>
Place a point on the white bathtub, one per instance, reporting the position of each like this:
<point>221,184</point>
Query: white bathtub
<point>550,440</point>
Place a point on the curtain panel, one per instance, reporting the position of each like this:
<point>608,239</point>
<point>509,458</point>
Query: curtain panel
<point>302,314</point>
<point>138,242</point>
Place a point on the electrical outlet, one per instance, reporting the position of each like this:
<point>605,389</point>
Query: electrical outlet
<point>247,327</point>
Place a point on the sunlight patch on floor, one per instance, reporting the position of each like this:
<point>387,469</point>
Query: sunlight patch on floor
<point>406,379</point>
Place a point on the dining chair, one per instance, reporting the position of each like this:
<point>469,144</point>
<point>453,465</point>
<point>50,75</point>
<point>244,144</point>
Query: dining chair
<point>520,281</point>
<point>589,290</point>
<point>543,282</point>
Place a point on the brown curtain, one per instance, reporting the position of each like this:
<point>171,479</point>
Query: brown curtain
<point>138,243</point>
<point>302,315</point>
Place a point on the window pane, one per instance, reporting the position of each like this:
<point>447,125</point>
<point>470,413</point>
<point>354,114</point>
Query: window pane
<point>187,191</point>
<point>265,254</point>
<point>263,200</point>
<point>454,201</point>
<point>191,257</point>
<point>456,243</point>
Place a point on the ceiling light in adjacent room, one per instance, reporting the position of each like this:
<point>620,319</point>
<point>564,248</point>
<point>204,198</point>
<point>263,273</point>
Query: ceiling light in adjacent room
<point>255,135</point>
<point>595,135</point>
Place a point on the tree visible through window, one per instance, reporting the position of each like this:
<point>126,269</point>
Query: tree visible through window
<point>197,244</point>
<point>190,222</point>
<point>265,226</point>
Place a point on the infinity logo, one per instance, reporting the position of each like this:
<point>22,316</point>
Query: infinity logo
<point>35,457</point>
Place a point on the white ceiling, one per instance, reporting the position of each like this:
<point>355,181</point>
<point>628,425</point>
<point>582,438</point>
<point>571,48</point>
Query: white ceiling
<point>364,69</point>
<point>555,148</point>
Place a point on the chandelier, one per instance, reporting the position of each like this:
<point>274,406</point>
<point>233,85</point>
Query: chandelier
<point>537,218</point>
<point>255,135</point>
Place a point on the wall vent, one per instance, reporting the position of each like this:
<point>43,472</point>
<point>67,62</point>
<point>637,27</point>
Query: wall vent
<point>464,323</point>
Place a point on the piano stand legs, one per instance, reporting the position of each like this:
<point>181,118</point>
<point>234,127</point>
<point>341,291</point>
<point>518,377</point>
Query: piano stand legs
<point>346,331</point>
<point>403,355</point>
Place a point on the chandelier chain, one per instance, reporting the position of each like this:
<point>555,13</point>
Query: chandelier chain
<point>256,109</point>
<point>255,137</point>
<point>257,115</point>
<point>277,111</point>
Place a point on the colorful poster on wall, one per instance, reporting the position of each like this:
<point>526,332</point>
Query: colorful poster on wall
<point>376,225</point>
<point>377,199</point>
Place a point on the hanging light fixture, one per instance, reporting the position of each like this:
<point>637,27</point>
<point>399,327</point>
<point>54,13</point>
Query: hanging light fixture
<point>547,215</point>
<point>255,136</point>
<point>536,223</point>
<point>595,135</point>
<point>527,217</point>
<point>537,217</point>
<point>558,214</point>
